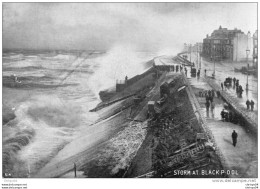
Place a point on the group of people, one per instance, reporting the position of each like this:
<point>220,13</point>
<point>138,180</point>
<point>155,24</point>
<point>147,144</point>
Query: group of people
<point>209,96</point>
<point>228,83</point>
<point>250,104</point>
<point>239,88</point>
<point>226,116</point>
<point>230,116</point>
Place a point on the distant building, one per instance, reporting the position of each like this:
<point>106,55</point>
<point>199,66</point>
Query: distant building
<point>185,47</point>
<point>255,49</point>
<point>224,44</point>
<point>199,47</point>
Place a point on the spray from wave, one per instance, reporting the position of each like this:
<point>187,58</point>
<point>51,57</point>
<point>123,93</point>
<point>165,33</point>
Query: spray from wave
<point>42,127</point>
<point>120,61</point>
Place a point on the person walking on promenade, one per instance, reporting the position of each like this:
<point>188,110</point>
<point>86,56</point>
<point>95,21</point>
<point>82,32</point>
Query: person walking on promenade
<point>212,106</point>
<point>213,93</point>
<point>252,105</point>
<point>218,94</point>
<point>234,81</point>
<point>207,105</point>
<point>237,83</point>
<point>205,72</point>
<point>211,98</point>
<point>230,115</point>
<point>222,115</point>
<point>75,170</point>
<point>207,97</point>
<point>234,138</point>
<point>239,91</point>
<point>222,86</point>
<point>248,104</point>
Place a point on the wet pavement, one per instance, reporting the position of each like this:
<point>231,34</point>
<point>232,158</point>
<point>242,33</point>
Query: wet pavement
<point>224,70</point>
<point>243,157</point>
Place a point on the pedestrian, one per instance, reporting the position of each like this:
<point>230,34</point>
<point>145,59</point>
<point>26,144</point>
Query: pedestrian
<point>237,83</point>
<point>222,115</point>
<point>226,116</point>
<point>205,72</point>
<point>211,99</point>
<point>225,85</point>
<point>207,97</point>
<point>222,86</point>
<point>247,104</point>
<point>212,106</point>
<point>252,105</point>
<point>240,91</point>
<point>213,93</point>
<point>234,81</point>
<point>207,105</point>
<point>230,116</point>
<point>75,170</point>
<point>234,138</point>
<point>209,93</point>
<point>218,94</point>
<point>198,75</point>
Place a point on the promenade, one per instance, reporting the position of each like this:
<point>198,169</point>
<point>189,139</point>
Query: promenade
<point>235,102</point>
<point>243,157</point>
<point>224,70</point>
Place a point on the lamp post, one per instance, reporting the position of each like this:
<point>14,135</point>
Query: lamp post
<point>247,53</point>
<point>214,48</point>
<point>190,53</point>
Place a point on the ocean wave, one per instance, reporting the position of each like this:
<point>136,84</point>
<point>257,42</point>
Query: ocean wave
<point>23,69</point>
<point>42,127</point>
<point>60,57</point>
<point>33,82</point>
<point>15,56</point>
<point>22,63</point>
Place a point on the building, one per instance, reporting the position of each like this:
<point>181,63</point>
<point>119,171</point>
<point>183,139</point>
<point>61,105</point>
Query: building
<point>224,44</point>
<point>242,43</point>
<point>255,49</point>
<point>199,47</point>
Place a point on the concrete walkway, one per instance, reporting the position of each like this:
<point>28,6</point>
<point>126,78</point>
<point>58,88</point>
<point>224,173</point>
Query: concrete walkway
<point>250,116</point>
<point>243,157</point>
<point>224,70</point>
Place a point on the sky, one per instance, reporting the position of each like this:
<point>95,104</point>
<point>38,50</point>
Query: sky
<point>101,26</point>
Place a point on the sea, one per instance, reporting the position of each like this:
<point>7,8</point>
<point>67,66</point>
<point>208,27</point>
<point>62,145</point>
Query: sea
<point>47,95</point>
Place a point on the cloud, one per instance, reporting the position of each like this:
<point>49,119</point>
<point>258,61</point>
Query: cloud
<point>148,26</point>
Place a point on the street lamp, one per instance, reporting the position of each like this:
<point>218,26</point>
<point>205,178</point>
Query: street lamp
<point>214,48</point>
<point>247,53</point>
<point>190,53</point>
